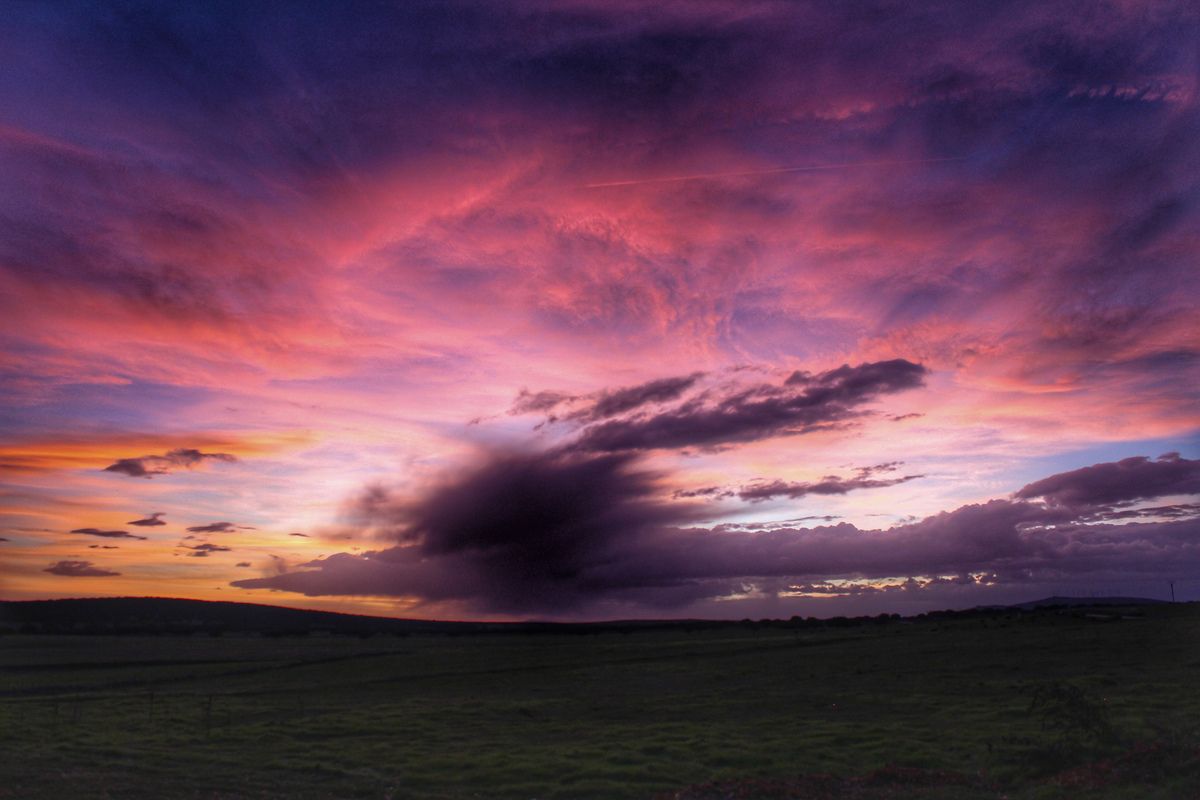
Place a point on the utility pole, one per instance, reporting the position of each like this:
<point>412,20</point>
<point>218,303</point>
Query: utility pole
<point>1172,585</point>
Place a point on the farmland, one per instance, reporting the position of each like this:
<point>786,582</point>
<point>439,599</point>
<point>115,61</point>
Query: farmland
<point>613,714</point>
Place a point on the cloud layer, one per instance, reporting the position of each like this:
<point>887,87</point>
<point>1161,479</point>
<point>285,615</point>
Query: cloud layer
<point>533,534</point>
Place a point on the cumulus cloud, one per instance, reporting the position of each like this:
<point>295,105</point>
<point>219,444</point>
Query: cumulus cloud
<point>151,521</point>
<point>540,534</point>
<point>107,534</point>
<point>803,403</point>
<point>180,458</point>
<point>78,569</point>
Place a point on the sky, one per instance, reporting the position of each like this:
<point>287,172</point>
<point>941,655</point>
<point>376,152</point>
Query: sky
<point>583,310</point>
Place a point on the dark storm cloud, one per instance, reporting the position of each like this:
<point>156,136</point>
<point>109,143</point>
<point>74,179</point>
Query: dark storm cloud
<point>517,530</point>
<point>803,403</point>
<point>151,521</point>
<point>107,534</point>
<point>1116,483</point>
<point>78,569</point>
<point>149,466</point>
<point>217,527</point>
<point>555,535</point>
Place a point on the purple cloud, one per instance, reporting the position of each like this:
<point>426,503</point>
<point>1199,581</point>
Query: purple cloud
<point>202,550</point>
<point>107,534</point>
<point>1124,481</point>
<point>620,401</point>
<point>803,403</point>
<point>151,521</point>
<point>829,485</point>
<point>218,527</point>
<point>78,569</point>
<point>603,404</point>
<point>149,466</point>
<point>537,403</point>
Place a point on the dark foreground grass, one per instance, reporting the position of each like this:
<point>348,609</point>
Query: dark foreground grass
<point>602,716</point>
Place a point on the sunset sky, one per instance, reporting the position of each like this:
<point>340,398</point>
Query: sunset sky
<point>585,310</point>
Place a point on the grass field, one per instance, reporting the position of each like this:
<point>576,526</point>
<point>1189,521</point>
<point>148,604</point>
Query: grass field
<point>600,716</point>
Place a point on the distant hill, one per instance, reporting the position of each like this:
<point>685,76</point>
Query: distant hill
<point>1087,601</point>
<point>172,615</point>
<point>164,615</point>
<point>115,615</point>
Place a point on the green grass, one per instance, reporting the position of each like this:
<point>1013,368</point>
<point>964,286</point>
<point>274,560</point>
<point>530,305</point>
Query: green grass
<point>607,716</point>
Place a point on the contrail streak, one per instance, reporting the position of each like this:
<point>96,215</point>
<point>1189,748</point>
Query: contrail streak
<point>772,172</point>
